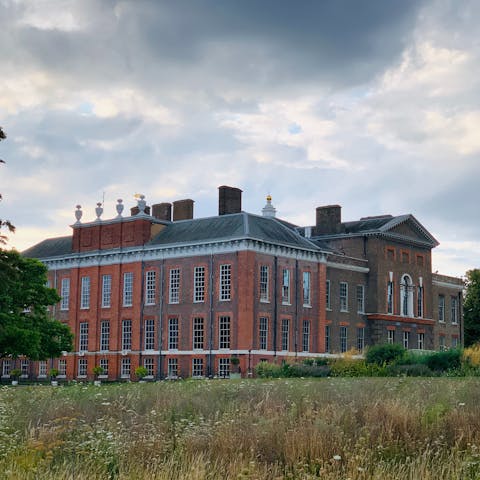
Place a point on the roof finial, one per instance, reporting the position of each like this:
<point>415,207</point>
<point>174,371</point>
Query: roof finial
<point>269,210</point>
<point>78,213</point>
<point>99,211</point>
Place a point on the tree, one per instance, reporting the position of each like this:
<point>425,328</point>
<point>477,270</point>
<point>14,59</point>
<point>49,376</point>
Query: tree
<point>471,308</point>
<point>26,327</point>
<point>4,223</point>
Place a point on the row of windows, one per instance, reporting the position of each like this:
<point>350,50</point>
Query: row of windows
<point>42,366</point>
<point>343,297</point>
<point>404,256</point>
<point>343,334</point>
<point>442,313</point>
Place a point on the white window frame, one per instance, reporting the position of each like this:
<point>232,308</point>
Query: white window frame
<point>406,340</point>
<point>264,284</point>
<point>406,296</point>
<point>128,289</point>
<point>343,338</point>
<point>126,334</point>
<point>104,335</point>
<point>83,337</point>
<point>106,291</point>
<point>421,341</point>
<point>104,364</point>
<point>360,339</point>
<point>65,294</point>
<point>420,301</point>
<point>85,293</point>
<point>150,287</point>
<point>199,284</point>
<point>306,336</point>
<point>224,367</point>
<point>225,282</point>
<point>286,286</point>
<point>197,368</point>
<point>172,367</point>
<point>62,367</point>
<point>125,367</point>
<point>361,299</point>
<point>441,308</point>
<point>285,334</point>
<point>174,286</point>
<point>441,343</point>
<point>263,333</point>
<point>391,337</point>
<point>307,287</point>
<point>328,346</point>
<point>198,336</point>
<point>25,367</point>
<point>390,298</point>
<point>149,334</point>
<point>328,297</point>
<point>224,332</point>
<point>343,295</point>
<point>6,367</point>
<point>149,364</point>
<point>82,368</point>
<point>454,310</point>
<point>173,333</point>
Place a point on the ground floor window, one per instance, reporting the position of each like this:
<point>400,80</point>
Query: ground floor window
<point>390,336</point>
<point>82,367</point>
<point>62,367</point>
<point>441,343</point>
<point>125,367</point>
<point>454,342</point>
<point>173,367</point>
<point>6,367</point>
<point>421,341</point>
<point>104,365</point>
<point>149,365</point>
<point>223,367</point>
<point>197,367</point>
<point>42,368</point>
<point>327,338</point>
<point>406,339</point>
<point>25,367</point>
<point>360,339</point>
<point>343,339</point>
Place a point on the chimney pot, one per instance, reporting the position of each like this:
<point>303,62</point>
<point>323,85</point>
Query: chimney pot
<point>162,211</point>
<point>329,219</point>
<point>183,209</point>
<point>229,200</point>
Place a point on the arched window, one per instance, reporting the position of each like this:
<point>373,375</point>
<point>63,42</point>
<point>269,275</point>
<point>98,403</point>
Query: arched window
<point>406,296</point>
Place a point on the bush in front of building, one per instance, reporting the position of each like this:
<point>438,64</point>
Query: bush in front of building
<point>409,370</point>
<point>471,356</point>
<point>444,361</point>
<point>355,367</point>
<point>385,354</point>
<point>302,370</point>
<point>269,370</point>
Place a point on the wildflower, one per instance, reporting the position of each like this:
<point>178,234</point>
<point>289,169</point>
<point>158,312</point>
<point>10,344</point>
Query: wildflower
<point>461,404</point>
<point>337,458</point>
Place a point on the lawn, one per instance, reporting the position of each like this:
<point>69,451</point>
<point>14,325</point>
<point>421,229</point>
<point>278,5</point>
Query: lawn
<point>330,428</point>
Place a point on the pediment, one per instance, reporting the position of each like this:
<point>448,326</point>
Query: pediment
<point>409,228</point>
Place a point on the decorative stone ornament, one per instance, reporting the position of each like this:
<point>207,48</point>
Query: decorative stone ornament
<point>120,206</point>
<point>99,210</point>
<point>142,204</point>
<point>78,213</point>
<point>269,210</point>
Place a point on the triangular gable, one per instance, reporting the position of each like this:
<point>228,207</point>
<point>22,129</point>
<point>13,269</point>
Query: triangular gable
<point>408,227</point>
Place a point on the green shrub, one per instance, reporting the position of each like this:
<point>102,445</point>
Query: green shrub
<point>384,354</point>
<point>268,370</point>
<point>349,367</point>
<point>410,370</point>
<point>443,361</point>
<point>302,370</point>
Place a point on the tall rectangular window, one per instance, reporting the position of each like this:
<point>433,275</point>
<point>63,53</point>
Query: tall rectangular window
<point>197,367</point>
<point>390,297</point>
<point>360,299</point>
<point>174,286</point>
<point>42,368</point>
<point>264,287</point>
<point>223,367</point>
<point>128,289</point>
<point>343,296</point>
<point>62,367</point>
<point>24,368</point>
<point>199,284</point>
<point>406,339</point>
<point>441,308</point>
<point>327,293</point>
<point>85,293</point>
<point>148,363</point>
<point>104,365</point>
<point>306,336</point>
<point>225,282</point>
<point>454,310</point>
<point>454,342</point>
<point>173,333</point>
<point>83,337</point>
<point>285,334</point>
<point>125,367</point>
<point>82,368</point>
<point>106,291</point>
<point>104,335</point>
<point>198,333</point>
<point>390,336</point>
<point>173,367</point>
<point>150,334</point>
<point>307,300</point>
<point>150,287</point>
<point>263,333</point>
<point>420,341</point>
<point>126,334</point>
<point>419,301</point>
<point>360,339</point>
<point>65,294</point>
<point>327,339</point>
<point>441,343</point>
<point>286,286</point>
<point>343,339</point>
<point>6,367</point>
<point>224,332</point>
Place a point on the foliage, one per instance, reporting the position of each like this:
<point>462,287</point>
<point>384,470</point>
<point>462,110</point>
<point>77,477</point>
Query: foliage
<point>306,370</point>
<point>97,370</point>
<point>471,307</point>
<point>350,367</point>
<point>443,361</point>
<point>4,223</point>
<point>384,354</point>
<point>15,372</point>
<point>141,372</point>
<point>234,360</point>
<point>269,370</point>
<point>471,355</point>
<point>26,327</point>
<point>54,373</point>
<point>409,370</point>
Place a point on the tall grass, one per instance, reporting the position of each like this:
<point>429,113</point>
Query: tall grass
<point>331,428</point>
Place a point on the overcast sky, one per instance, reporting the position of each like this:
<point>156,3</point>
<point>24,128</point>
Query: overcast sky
<point>374,105</point>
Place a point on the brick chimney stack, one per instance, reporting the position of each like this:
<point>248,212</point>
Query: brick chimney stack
<point>183,209</point>
<point>162,211</point>
<point>329,219</point>
<point>229,200</point>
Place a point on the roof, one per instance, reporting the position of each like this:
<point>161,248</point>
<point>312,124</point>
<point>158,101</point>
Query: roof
<point>51,247</point>
<point>194,231</point>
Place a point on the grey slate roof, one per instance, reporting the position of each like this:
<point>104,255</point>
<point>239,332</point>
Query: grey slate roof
<point>222,228</point>
<point>51,247</point>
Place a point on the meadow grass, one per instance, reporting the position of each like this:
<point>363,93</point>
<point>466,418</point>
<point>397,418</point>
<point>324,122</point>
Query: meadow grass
<point>329,428</point>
